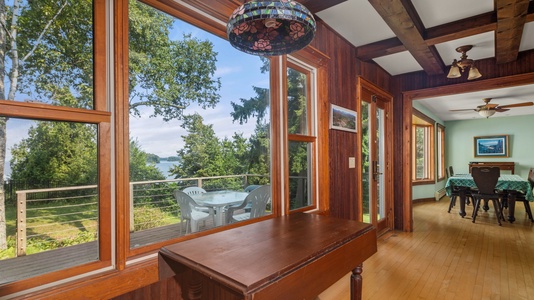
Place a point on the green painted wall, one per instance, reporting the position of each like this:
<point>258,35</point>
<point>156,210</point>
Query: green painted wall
<point>459,145</point>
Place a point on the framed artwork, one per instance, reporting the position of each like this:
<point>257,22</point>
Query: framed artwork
<point>342,118</point>
<point>491,146</point>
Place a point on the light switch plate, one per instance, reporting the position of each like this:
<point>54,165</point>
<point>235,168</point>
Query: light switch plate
<point>352,162</point>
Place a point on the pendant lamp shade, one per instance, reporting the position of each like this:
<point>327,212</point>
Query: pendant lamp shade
<point>269,28</point>
<point>486,113</point>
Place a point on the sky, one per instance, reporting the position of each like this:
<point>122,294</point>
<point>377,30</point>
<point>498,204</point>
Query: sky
<point>238,71</point>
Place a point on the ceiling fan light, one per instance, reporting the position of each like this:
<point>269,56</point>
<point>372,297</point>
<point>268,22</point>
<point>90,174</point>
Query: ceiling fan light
<point>486,113</point>
<point>454,71</point>
<point>473,73</point>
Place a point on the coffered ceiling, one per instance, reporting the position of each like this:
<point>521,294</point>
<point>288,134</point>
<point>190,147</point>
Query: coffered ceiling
<point>404,36</point>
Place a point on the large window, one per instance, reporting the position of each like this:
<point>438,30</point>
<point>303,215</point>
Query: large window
<point>199,123</point>
<point>423,148</point>
<point>55,140</point>
<point>301,137</point>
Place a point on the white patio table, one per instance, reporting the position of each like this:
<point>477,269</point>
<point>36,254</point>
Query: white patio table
<point>218,200</point>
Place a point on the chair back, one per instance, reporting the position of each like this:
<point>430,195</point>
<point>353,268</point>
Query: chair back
<point>194,190</point>
<point>451,171</point>
<point>447,172</point>
<point>486,179</point>
<point>185,202</point>
<point>259,199</point>
<point>251,187</point>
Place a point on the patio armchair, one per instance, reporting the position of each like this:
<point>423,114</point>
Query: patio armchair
<point>258,198</point>
<point>189,212</point>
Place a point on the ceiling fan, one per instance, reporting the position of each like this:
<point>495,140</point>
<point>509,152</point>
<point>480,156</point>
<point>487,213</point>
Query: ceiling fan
<point>487,110</point>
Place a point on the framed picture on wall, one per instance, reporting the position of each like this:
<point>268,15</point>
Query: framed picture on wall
<point>342,118</point>
<point>491,146</point>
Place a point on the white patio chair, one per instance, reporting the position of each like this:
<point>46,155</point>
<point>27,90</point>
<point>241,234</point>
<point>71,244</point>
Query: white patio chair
<point>195,190</point>
<point>258,199</point>
<point>189,212</point>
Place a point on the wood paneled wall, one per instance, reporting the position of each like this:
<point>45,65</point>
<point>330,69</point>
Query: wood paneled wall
<point>342,83</point>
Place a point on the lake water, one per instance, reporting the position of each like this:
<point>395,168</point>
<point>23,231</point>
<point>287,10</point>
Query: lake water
<point>164,166</point>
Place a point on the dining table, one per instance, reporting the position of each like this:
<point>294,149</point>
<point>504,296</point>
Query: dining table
<point>218,201</point>
<point>513,184</point>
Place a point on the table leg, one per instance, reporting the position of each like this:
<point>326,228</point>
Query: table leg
<point>218,216</point>
<point>462,203</point>
<point>511,206</point>
<point>356,283</point>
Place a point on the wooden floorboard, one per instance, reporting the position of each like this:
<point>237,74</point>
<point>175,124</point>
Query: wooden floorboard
<point>447,257</point>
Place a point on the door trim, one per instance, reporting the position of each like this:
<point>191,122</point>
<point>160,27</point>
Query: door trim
<point>363,84</point>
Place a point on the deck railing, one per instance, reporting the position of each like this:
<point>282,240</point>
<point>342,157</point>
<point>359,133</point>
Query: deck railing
<point>51,203</point>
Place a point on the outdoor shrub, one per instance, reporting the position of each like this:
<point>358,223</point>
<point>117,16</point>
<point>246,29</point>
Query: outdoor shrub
<point>146,217</point>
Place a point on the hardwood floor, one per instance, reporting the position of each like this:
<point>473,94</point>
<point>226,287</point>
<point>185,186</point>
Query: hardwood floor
<point>447,257</point>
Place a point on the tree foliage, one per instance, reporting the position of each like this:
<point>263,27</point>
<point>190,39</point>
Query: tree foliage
<point>46,55</point>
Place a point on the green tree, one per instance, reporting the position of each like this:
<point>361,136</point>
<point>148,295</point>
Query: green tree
<point>46,54</point>
<point>56,152</point>
<point>202,154</point>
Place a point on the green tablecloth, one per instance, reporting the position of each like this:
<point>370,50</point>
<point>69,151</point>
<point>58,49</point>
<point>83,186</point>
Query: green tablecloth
<point>506,182</point>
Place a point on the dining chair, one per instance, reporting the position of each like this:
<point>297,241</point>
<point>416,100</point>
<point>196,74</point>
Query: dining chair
<point>455,193</point>
<point>523,197</point>
<point>486,179</point>
<point>189,212</point>
<point>451,171</point>
<point>258,199</point>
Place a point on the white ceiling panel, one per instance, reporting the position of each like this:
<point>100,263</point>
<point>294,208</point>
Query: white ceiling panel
<point>527,41</point>
<point>483,47</point>
<point>437,12</point>
<point>357,21</point>
<point>398,63</point>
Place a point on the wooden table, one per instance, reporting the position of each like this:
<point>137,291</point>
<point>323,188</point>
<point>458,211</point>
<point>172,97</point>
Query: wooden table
<point>503,165</point>
<point>290,257</point>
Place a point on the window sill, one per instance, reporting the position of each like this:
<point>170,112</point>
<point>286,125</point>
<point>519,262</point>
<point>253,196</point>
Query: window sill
<point>423,182</point>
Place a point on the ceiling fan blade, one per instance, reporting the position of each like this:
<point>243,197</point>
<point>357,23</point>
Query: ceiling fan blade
<point>499,109</point>
<point>466,109</point>
<point>517,105</point>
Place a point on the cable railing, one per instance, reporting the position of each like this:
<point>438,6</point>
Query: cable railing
<point>62,216</point>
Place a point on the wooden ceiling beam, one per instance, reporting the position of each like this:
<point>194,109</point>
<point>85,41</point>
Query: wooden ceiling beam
<point>403,20</point>
<point>439,34</point>
<point>511,18</point>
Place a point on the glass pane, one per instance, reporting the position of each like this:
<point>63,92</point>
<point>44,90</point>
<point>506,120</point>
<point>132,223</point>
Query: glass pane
<point>297,102</point>
<point>420,152</point>
<point>199,118</point>
<point>54,61</point>
<point>380,143</point>
<point>366,170</point>
<point>299,174</point>
<point>50,187</point>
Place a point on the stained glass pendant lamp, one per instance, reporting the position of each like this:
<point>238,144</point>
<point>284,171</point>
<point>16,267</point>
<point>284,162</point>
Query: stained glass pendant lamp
<point>269,28</point>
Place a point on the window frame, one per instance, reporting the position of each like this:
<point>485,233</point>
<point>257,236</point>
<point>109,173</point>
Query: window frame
<point>99,115</point>
<point>429,145</point>
<point>440,147</point>
<point>309,138</point>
